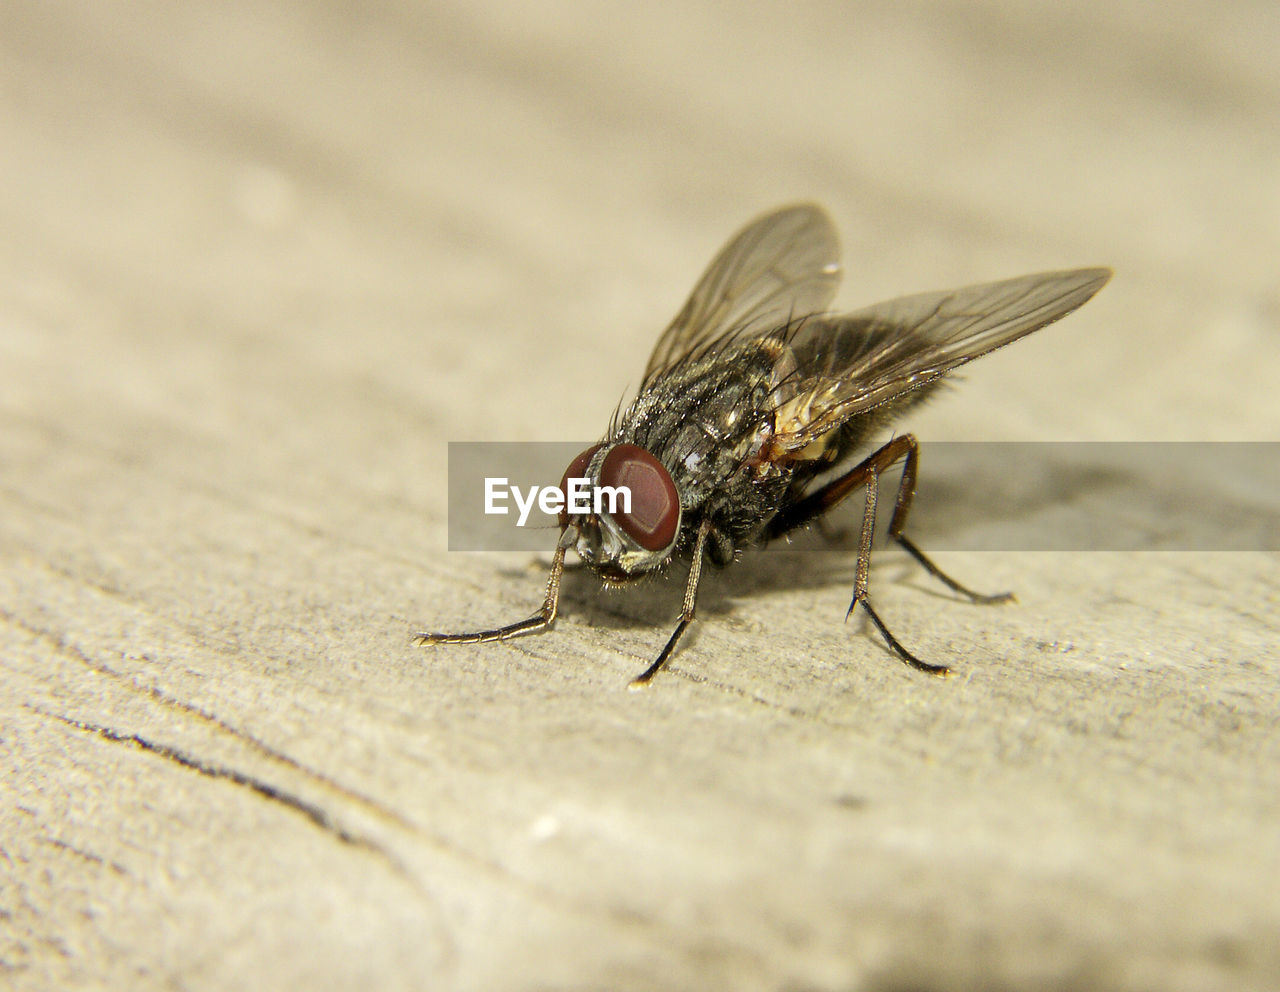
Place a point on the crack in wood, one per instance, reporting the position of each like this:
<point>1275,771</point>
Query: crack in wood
<point>202,715</point>
<point>314,812</point>
<point>492,867</point>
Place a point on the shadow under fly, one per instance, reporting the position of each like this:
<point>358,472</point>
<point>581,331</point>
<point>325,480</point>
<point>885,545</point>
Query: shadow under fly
<point>756,404</point>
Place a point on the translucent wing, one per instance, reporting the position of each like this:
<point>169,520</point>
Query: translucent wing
<point>782,265</point>
<point>849,363</point>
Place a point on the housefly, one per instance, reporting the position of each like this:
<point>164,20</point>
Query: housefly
<point>757,402</point>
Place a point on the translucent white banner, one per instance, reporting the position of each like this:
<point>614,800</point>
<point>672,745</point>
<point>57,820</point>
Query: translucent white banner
<point>1057,496</point>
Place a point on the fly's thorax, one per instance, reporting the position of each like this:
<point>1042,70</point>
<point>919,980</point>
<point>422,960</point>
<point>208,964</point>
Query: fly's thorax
<point>633,524</point>
<point>707,418</point>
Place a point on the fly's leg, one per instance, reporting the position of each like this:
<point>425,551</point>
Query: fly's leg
<point>541,620</point>
<point>867,474</point>
<point>902,506</point>
<point>686,614</point>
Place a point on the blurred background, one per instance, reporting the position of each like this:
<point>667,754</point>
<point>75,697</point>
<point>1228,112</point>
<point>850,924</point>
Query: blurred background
<point>431,181</point>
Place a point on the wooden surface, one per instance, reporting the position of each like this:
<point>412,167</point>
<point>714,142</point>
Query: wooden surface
<point>259,263</point>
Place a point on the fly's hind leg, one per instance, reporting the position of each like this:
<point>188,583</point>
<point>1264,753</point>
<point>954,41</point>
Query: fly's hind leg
<point>902,506</point>
<point>867,474</point>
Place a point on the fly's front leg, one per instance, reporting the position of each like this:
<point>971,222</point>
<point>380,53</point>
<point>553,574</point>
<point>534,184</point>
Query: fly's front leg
<point>541,620</point>
<point>686,614</point>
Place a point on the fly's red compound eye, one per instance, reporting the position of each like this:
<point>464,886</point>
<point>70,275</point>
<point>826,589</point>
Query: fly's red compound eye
<point>577,470</point>
<point>655,504</point>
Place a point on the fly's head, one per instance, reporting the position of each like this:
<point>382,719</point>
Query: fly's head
<point>622,511</point>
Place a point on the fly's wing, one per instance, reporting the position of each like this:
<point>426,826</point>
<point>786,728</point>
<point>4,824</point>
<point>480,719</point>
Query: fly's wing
<point>843,365</point>
<point>782,265</point>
